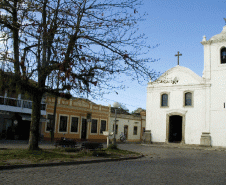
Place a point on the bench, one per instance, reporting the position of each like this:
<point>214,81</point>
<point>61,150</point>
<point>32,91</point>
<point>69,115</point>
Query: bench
<point>64,142</point>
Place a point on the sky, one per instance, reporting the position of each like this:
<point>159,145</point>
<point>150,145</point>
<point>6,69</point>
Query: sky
<point>174,25</point>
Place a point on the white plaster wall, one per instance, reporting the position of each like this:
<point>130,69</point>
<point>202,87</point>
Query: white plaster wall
<point>149,105</point>
<point>194,121</point>
<point>155,116</point>
<point>218,77</point>
<point>218,128</point>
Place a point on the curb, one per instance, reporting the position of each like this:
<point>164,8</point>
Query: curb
<point>186,147</point>
<point>10,167</point>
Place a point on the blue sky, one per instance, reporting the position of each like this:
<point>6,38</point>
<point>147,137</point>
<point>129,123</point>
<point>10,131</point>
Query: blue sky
<point>176,25</point>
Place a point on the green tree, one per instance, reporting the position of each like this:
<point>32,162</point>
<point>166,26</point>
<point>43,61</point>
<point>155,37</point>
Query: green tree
<point>83,43</point>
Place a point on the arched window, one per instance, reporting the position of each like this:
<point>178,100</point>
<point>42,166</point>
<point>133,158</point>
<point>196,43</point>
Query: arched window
<point>223,55</point>
<point>164,100</point>
<point>188,99</point>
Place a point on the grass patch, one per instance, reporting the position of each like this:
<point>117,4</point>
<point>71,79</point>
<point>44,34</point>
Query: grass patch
<point>29,155</point>
<point>25,156</point>
<point>112,147</point>
<point>101,153</point>
<point>119,151</point>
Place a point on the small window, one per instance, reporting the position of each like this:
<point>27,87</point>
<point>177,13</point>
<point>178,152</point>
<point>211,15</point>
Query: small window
<point>94,126</point>
<point>74,124</point>
<point>63,124</point>
<point>135,130</point>
<point>223,55</point>
<point>103,126</point>
<point>164,100</point>
<point>116,132</point>
<point>50,123</point>
<point>188,99</point>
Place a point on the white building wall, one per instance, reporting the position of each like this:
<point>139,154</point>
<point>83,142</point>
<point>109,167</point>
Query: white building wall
<point>218,128</point>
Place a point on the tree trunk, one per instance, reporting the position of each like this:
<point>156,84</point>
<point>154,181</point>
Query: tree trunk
<point>35,118</point>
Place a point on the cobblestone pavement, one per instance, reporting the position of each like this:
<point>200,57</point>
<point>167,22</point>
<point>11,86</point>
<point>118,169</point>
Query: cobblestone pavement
<point>161,165</point>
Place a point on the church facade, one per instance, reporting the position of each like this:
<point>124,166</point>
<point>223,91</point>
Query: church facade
<point>185,108</point>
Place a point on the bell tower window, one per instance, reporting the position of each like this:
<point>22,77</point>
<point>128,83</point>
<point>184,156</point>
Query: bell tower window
<point>223,55</point>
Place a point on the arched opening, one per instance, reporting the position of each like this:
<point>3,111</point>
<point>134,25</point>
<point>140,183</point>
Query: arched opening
<point>175,129</point>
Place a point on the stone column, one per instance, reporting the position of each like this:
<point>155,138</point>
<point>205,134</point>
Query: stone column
<point>147,136</point>
<point>205,139</point>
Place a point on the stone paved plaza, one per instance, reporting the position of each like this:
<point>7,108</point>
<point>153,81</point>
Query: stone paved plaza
<point>161,165</point>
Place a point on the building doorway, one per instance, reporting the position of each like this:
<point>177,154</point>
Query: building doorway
<point>84,129</point>
<point>175,129</point>
<point>126,131</point>
<point>24,129</point>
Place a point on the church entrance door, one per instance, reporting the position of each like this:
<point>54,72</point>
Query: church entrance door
<point>175,129</point>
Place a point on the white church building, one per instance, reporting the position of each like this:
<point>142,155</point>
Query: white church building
<point>185,108</point>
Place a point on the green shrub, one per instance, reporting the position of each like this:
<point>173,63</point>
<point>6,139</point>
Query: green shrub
<point>113,147</point>
<point>71,150</point>
<point>99,154</point>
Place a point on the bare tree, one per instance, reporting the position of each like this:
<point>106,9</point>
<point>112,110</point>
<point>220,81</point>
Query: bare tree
<point>84,43</point>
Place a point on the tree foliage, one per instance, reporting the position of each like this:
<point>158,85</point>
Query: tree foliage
<point>138,111</point>
<point>80,44</point>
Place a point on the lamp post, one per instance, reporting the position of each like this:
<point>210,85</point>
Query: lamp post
<point>15,122</point>
<point>114,139</point>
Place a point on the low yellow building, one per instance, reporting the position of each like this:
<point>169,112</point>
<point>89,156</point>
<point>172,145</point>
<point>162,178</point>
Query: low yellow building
<point>76,118</point>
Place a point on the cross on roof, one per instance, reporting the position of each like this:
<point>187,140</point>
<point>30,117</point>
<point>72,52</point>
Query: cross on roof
<point>178,55</point>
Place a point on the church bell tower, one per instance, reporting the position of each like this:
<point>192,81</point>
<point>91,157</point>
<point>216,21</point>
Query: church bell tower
<point>214,74</point>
